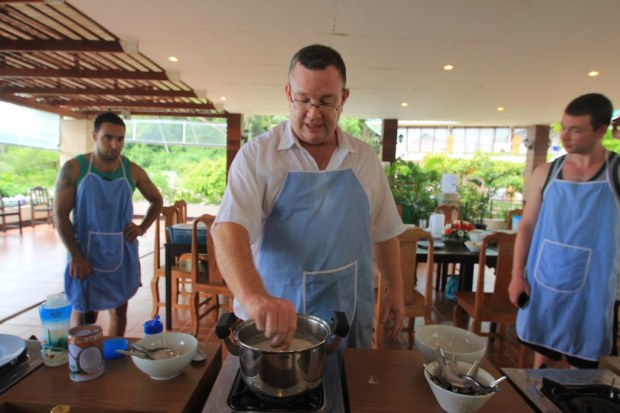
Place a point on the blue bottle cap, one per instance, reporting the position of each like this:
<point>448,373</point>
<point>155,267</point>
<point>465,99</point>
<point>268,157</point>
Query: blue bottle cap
<point>153,326</point>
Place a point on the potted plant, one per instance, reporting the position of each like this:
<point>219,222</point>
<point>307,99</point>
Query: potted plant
<point>475,202</point>
<point>414,189</point>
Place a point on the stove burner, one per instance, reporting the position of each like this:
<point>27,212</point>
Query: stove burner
<point>585,398</point>
<point>241,398</point>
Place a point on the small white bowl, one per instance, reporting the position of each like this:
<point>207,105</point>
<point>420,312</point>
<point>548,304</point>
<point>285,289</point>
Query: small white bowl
<point>453,402</point>
<point>465,345</point>
<point>473,246</point>
<point>185,345</point>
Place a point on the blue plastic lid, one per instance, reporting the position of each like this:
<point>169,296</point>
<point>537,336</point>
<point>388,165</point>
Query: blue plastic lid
<point>153,326</point>
<point>110,345</point>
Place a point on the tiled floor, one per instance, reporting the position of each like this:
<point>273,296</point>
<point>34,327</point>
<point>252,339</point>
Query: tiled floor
<point>33,266</point>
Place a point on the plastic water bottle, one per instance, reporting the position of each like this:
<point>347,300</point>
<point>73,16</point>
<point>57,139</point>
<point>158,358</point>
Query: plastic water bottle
<point>153,326</point>
<point>55,315</point>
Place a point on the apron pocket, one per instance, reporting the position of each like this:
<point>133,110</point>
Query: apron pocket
<point>327,291</point>
<point>562,267</point>
<point>105,250</point>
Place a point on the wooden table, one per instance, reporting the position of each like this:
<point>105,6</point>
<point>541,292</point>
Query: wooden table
<point>458,254</point>
<point>122,388</point>
<point>393,381</point>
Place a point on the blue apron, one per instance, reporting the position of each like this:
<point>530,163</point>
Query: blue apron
<point>571,269</point>
<point>102,211</point>
<point>317,252</point>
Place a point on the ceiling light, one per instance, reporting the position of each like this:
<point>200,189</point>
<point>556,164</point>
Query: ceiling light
<point>594,73</point>
<point>173,59</point>
<point>222,97</point>
<point>448,67</point>
<point>500,108</point>
<point>404,104</point>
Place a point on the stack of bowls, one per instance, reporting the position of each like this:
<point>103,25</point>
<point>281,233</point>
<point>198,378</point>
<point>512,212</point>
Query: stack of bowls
<point>465,345</point>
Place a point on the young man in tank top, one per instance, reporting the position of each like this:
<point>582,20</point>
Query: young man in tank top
<point>567,249</point>
<point>103,268</point>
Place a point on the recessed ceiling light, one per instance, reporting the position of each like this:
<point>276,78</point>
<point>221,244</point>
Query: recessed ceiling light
<point>594,73</point>
<point>404,104</point>
<point>500,108</point>
<point>173,59</point>
<point>448,67</point>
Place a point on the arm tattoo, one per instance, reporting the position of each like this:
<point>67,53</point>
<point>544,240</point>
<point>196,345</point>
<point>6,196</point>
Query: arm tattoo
<point>65,180</point>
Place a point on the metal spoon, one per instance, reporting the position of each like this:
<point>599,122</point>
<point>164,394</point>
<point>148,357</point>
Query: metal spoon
<point>137,353</point>
<point>153,352</point>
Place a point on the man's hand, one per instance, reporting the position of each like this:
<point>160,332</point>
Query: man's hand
<point>518,285</point>
<point>393,313</point>
<point>275,317</point>
<point>79,267</point>
<point>133,231</point>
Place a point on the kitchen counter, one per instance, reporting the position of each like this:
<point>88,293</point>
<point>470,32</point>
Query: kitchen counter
<point>611,363</point>
<point>122,388</point>
<point>393,381</point>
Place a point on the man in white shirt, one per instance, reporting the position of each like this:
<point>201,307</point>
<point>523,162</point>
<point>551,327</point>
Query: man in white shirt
<point>305,206</point>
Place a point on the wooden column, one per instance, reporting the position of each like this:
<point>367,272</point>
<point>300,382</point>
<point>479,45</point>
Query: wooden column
<point>388,145</point>
<point>537,148</point>
<point>233,138</point>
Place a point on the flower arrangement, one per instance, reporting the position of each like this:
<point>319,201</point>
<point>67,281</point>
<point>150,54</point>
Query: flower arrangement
<point>457,231</point>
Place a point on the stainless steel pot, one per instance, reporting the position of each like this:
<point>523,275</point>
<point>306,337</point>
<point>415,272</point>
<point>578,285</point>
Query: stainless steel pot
<point>283,373</point>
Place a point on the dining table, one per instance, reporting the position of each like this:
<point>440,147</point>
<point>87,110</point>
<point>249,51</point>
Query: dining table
<point>446,253</point>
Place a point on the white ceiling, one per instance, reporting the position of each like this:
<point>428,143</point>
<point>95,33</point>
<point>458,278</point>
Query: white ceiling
<point>531,57</point>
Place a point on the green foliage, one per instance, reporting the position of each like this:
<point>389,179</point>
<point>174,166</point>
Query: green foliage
<point>414,188</point>
<point>610,143</point>
<point>195,174</point>
<point>359,129</point>
<point>480,180</point>
<point>22,168</point>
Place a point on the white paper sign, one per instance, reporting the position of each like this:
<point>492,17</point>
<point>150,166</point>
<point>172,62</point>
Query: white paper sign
<point>448,184</point>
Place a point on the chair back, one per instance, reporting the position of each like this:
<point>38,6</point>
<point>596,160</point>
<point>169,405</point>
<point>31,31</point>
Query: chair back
<point>512,213</point>
<point>181,207</point>
<point>408,241</point>
<point>213,272</point>
<point>170,218</point>
<point>39,196</point>
<point>450,212</point>
<point>504,242</point>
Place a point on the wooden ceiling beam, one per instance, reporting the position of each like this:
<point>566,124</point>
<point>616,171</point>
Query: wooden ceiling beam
<point>42,45</point>
<point>99,91</point>
<point>41,106</point>
<point>137,104</point>
<point>9,72</point>
<point>168,114</point>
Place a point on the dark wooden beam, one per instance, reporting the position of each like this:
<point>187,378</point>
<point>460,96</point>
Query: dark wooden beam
<point>167,114</point>
<point>41,106</point>
<point>136,104</point>
<point>81,74</point>
<point>60,91</point>
<point>41,45</point>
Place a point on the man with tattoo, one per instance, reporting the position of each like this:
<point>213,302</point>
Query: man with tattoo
<point>103,268</point>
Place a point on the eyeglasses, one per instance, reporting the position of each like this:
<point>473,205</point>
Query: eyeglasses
<point>306,104</point>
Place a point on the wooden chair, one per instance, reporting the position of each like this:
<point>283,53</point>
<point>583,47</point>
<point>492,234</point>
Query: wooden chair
<point>210,284</point>
<point>181,207</point>
<point>513,212</point>
<point>6,212</point>
<point>418,303</point>
<point>170,217</point>
<point>40,201</point>
<point>451,213</point>
<point>495,306</point>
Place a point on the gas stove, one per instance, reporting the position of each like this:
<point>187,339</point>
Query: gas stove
<point>564,390</point>
<point>230,394</point>
<point>25,364</point>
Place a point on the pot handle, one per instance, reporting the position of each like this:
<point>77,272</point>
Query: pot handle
<point>223,329</point>
<point>340,324</point>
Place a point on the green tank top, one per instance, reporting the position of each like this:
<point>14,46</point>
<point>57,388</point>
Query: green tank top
<point>108,176</point>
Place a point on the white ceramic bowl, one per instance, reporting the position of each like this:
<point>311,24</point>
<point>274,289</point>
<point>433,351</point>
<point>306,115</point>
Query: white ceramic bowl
<point>473,246</point>
<point>185,345</point>
<point>453,402</point>
<point>467,346</point>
